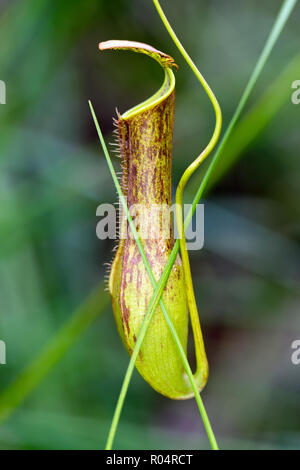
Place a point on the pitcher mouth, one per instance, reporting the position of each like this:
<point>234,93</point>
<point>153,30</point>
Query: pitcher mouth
<point>165,61</point>
<point>163,93</point>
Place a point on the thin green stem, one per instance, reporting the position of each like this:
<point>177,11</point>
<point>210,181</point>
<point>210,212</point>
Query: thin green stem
<point>157,298</point>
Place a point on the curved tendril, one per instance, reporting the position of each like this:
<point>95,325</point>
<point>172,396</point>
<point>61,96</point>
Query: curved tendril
<point>199,345</point>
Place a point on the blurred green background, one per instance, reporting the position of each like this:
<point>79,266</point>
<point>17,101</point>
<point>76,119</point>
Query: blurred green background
<point>52,178</point>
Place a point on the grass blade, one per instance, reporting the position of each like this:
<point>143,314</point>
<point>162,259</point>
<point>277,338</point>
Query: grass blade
<point>256,119</point>
<point>14,395</point>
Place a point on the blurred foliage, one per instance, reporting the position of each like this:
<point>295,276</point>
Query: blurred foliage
<point>53,176</point>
